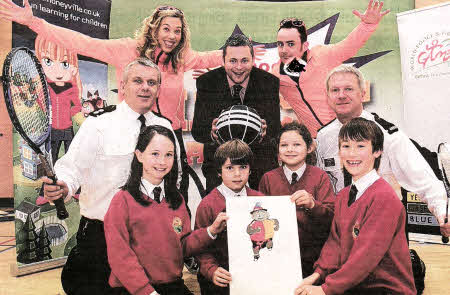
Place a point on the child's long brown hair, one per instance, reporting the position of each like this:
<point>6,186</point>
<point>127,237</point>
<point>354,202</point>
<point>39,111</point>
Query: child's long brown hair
<point>133,184</point>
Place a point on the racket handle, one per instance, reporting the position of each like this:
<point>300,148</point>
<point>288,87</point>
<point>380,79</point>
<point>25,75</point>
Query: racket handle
<point>445,239</point>
<point>61,211</point>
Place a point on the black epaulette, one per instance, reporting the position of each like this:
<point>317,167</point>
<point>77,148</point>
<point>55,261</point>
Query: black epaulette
<point>326,125</point>
<point>161,116</point>
<point>388,126</point>
<point>102,111</point>
<point>430,157</point>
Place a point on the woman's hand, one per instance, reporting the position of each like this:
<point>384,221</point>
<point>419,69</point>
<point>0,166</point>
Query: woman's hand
<point>15,13</point>
<point>373,13</point>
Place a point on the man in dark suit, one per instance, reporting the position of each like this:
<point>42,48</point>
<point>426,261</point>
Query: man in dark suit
<point>237,82</point>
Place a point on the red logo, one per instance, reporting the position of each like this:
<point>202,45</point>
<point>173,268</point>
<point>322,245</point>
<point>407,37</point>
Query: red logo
<point>435,53</point>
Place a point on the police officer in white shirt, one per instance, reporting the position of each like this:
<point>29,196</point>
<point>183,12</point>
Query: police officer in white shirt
<point>99,161</point>
<point>400,158</point>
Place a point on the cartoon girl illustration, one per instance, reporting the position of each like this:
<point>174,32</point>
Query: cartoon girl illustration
<point>63,78</point>
<point>64,85</point>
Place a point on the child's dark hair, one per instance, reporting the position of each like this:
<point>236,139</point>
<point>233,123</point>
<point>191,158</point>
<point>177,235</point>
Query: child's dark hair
<point>134,182</point>
<point>238,152</point>
<point>304,133</point>
<point>359,129</point>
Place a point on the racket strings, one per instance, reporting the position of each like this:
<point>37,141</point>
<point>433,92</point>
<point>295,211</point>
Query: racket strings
<point>444,157</point>
<point>445,161</point>
<point>29,98</point>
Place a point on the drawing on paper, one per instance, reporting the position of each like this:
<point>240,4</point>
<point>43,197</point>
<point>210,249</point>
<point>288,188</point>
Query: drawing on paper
<point>261,230</point>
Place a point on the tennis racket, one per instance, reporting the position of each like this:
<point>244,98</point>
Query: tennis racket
<point>444,165</point>
<point>28,104</point>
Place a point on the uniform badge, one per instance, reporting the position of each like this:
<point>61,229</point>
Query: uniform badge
<point>329,162</point>
<point>355,231</point>
<point>177,225</point>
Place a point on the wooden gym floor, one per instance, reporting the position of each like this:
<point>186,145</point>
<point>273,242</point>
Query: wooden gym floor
<point>436,257</point>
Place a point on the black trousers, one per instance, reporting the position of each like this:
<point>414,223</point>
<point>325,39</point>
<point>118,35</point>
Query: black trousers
<point>174,288</point>
<point>87,270</point>
<point>59,136</point>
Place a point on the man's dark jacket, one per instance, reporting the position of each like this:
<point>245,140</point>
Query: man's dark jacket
<point>214,95</point>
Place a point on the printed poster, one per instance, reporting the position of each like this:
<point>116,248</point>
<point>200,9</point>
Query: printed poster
<point>425,59</point>
<point>38,230</point>
<point>263,245</point>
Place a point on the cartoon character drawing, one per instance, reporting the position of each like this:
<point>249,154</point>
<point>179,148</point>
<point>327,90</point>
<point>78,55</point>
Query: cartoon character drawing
<point>93,103</point>
<point>64,85</point>
<point>61,69</point>
<point>261,229</point>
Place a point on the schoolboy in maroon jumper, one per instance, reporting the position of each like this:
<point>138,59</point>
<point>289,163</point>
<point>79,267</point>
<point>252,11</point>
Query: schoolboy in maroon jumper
<point>147,226</point>
<point>309,187</point>
<point>366,252</point>
<point>232,160</point>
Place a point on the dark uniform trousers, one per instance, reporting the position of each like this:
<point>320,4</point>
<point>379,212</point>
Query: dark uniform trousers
<point>87,270</point>
<point>174,288</point>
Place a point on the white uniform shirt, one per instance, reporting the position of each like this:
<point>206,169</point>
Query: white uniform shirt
<point>365,182</point>
<point>100,155</point>
<point>147,188</point>
<point>228,193</point>
<point>400,159</point>
<point>288,172</point>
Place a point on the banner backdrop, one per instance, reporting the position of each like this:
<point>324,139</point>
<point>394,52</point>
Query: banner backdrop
<point>425,56</point>
<point>211,22</point>
<point>84,80</point>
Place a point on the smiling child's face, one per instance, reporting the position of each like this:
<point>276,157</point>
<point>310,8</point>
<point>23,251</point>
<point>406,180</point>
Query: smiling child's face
<point>292,150</point>
<point>234,176</point>
<point>357,157</point>
<point>157,159</point>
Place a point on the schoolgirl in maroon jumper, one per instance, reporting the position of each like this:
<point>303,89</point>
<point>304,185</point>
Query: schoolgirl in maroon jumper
<point>232,160</point>
<point>147,226</point>
<point>366,252</point>
<point>308,186</point>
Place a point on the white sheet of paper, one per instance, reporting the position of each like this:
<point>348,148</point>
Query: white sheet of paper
<point>276,271</point>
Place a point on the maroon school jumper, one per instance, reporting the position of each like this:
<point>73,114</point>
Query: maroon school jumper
<point>146,244</point>
<point>217,253</point>
<point>367,250</point>
<point>313,225</point>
